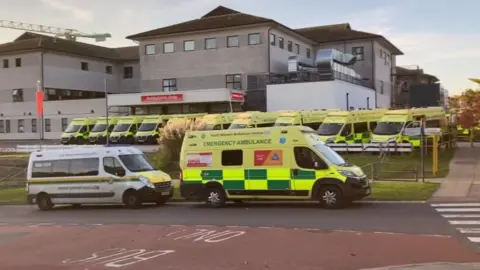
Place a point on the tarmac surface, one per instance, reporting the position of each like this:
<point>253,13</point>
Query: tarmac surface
<point>249,236</point>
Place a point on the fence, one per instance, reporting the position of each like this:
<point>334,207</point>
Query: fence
<point>372,147</point>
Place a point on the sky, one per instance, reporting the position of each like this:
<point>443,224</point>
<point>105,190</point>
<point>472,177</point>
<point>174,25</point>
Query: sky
<point>440,36</point>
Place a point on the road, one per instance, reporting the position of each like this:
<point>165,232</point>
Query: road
<point>250,236</point>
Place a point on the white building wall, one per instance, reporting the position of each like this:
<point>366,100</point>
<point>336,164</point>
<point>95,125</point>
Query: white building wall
<point>322,95</point>
<point>384,61</point>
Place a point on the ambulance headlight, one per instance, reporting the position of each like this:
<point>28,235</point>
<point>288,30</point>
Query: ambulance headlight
<point>146,182</point>
<point>347,173</point>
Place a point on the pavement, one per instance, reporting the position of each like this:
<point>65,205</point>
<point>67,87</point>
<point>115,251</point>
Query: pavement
<point>250,236</point>
<point>463,181</point>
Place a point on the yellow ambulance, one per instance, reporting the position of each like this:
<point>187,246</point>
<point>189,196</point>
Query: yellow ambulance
<point>277,163</point>
<point>254,120</point>
<point>312,118</point>
<point>78,130</point>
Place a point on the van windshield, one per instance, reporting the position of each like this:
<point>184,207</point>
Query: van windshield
<point>148,127</point>
<point>388,128</point>
<point>99,128</point>
<point>327,129</point>
<point>329,154</point>
<point>136,163</point>
<point>73,128</point>
<point>121,127</point>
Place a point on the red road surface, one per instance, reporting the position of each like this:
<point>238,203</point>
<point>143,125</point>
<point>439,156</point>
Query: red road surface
<point>212,248</point>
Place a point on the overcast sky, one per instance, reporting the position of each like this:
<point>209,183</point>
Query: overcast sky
<point>441,36</point>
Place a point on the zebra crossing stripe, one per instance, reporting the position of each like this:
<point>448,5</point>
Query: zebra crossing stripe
<point>474,239</point>
<point>443,210</point>
<point>455,204</point>
<point>464,222</point>
<point>462,216</point>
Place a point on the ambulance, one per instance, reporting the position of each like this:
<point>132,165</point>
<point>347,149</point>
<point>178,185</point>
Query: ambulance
<point>125,129</point>
<point>149,130</point>
<point>95,175</point>
<point>312,118</point>
<point>254,120</point>
<point>219,121</point>
<point>277,163</point>
<point>100,132</point>
<point>78,130</point>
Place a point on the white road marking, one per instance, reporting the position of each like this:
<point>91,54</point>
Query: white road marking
<point>455,204</point>
<point>469,230</point>
<point>474,239</point>
<point>464,222</point>
<point>462,216</point>
<point>458,209</point>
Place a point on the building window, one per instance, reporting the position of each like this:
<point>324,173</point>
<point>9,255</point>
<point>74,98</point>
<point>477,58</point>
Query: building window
<point>273,39</point>
<point>5,63</point>
<point>84,66</point>
<point>233,41</point>
<point>18,62</point>
<point>297,49</point>
<point>232,158</point>
<point>7,126</point>
<point>210,43</point>
<point>2,126</point>
<point>189,45</point>
<point>233,81</point>
<point>281,43</point>
<point>17,95</point>
<point>358,52</point>
<point>34,125</point>
<point>169,85</point>
<point>64,124</point>
<point>150,49</point>
<point>127,72</point>
<point>309,53</point>
<point>290,46</point>
<point>21,126</point>
<point>381,87</point>
<point>387,59</point>
<point>108,69</point>
<point>253,39</point>
<point>168,47</point>
<point>48,125</point>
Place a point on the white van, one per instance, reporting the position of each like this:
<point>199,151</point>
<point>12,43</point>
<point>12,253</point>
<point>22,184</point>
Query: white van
<point>102,175</point>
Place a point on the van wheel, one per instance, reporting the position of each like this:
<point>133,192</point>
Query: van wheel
<point>330,197</point>
<point>44,202</point>
<point>215,197</point>
<point>132,200</point>
<point>161,201</point>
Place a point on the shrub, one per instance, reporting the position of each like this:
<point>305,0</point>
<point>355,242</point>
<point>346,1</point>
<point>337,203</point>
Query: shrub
<point>171,139</point>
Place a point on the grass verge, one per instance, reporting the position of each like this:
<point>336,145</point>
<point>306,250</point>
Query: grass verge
<point>381,191</point>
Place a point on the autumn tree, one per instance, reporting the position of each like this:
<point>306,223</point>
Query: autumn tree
<point>467,104</point>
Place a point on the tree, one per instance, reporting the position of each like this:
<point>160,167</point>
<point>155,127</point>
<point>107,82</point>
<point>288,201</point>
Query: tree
<point>467,105</point>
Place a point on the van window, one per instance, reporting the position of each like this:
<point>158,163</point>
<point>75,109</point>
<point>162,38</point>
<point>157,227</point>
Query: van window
<point>265,125</point>
<point>226,126</point>
<point>65,168</point>
<point>90,127</point>
<point>133,128</point>
<point>232,158</point>
<point>373,125</point>
<point>112,166</point>
<point>347,130</point>
<point>136,162</point>
<point>433,124</point>
<point>360,127</point>
<point>306,158</point>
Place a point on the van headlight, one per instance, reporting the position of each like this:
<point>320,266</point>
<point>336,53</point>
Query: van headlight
<point>347,173</point>
<point>146,182</point>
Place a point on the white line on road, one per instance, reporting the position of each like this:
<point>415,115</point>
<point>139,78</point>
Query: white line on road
<point>458,209</point>
<point>469,230</point>
<point>455,204</point>
<point>464,222</point>
<point>474,239</point>
<point>462,216</point>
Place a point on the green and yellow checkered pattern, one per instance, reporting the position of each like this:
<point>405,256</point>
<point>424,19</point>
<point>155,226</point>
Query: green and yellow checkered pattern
<point>253,179</point>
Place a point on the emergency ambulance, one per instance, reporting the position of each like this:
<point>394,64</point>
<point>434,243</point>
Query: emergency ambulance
<point>254,120</point>
<point>125,129</point>
<point>78,130</point>
<point>277,163</point>
<point>100,132</point>
<point>95,175</point>
<point>350,126</point>
<point>392,125</point>
<point>148,132</point>
<point>313,118</point>
<point>219,121</point>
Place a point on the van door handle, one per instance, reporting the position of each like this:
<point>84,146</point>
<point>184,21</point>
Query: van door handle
<point>295,171</point>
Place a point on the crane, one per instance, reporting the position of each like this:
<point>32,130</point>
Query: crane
<point>69,34</point>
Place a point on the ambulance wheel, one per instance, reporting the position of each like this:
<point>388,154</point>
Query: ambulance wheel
<point>44,202</point>
<point>131,199</point>
<point>215,197</point>
<point>330,197</point>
